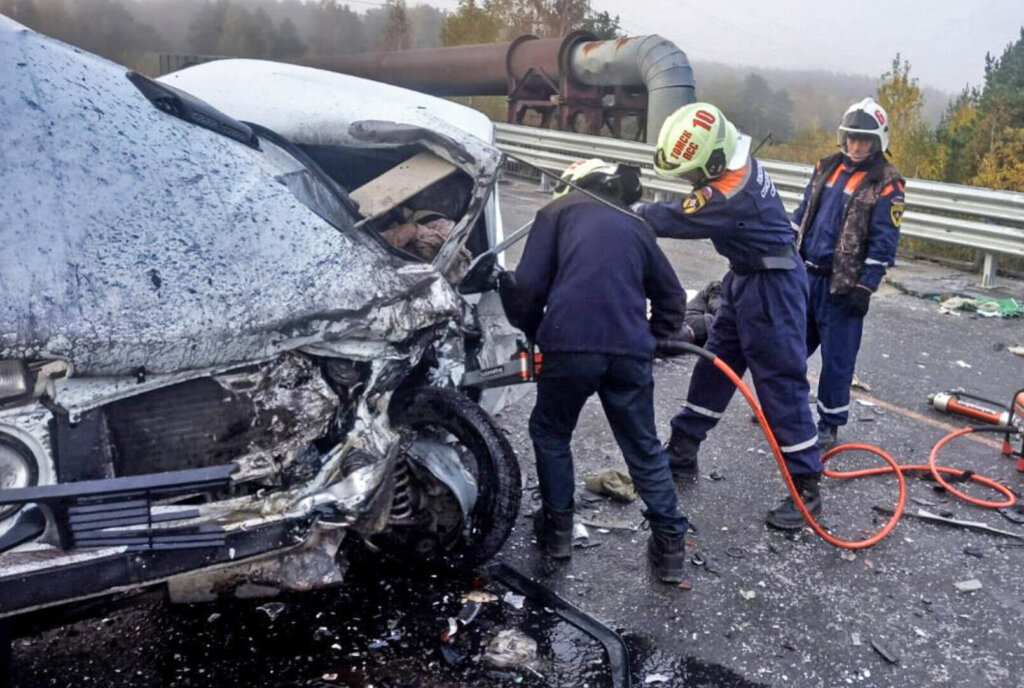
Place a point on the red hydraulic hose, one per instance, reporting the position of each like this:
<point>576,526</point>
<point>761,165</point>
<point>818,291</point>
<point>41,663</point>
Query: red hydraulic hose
<point>893,467</point>
<point>815,526</point>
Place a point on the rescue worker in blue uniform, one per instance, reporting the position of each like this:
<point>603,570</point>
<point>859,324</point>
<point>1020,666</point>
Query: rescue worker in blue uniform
<point>848,224</point>
<point>761,322</point>
<point>580,292</point>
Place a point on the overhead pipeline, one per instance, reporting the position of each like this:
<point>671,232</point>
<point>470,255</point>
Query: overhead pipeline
<point>653,62</point>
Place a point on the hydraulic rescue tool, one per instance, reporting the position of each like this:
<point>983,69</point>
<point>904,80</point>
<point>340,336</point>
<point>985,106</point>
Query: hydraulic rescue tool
<point>1010,416</point>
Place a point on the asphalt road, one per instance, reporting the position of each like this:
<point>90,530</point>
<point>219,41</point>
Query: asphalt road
<point>764,607</point>
<point>796,611</point>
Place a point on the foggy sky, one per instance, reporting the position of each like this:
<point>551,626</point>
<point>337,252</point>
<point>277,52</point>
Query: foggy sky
<point>945,41</point>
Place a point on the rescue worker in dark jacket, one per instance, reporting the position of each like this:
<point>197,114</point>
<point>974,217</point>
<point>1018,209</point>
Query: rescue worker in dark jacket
<point>580,292</point>
<point>761,322</point>
<point>848,224</point>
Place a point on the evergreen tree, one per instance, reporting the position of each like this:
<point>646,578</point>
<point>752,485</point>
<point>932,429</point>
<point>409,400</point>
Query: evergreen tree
<point>998,129</point>
<point>910,139</point>
<point>397,34</point>
<point>469,25</point>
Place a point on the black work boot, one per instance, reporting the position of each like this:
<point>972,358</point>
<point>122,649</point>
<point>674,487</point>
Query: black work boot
<point>682,454</point>
<point>828,436</point>
<point>553,529</point>
<point>667,554</point>
<point>786,515</point>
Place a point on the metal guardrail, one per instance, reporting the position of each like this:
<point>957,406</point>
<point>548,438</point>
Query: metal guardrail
<point>989,221</point>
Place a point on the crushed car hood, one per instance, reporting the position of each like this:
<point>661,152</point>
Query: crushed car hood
<point>133,240</point>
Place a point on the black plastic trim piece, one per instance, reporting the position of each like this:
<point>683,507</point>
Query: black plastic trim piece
<point>187,107</point>
<point>618,653</point>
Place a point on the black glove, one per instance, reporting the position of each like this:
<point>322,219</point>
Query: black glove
<point>482,275</point>
<point>669,346</point>
<point>857,301</point>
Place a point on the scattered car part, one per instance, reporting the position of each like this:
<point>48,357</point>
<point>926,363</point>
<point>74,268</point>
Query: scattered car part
<point>510,648</point>
<point>924,515</point>
<point>887,654</point>
<point>618,653</point>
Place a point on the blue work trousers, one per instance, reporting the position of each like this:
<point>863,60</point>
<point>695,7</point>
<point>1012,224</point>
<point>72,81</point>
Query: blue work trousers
<point>625,386</point>
<point>838,333</point>
<point>761,324</point>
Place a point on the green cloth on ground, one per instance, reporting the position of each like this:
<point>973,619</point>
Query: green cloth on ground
<point>614,484</point>
<point>1003,308</point>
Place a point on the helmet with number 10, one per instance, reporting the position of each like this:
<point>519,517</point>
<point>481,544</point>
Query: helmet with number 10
<point>695,137</point>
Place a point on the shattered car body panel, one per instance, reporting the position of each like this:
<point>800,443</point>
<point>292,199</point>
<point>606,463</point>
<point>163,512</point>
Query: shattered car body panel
<point>184,299</point>
<point>328,115</point>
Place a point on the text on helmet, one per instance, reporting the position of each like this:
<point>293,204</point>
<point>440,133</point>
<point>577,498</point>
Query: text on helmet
<point>677,149</point>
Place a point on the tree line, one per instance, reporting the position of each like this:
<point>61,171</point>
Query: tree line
<point>978,139</point>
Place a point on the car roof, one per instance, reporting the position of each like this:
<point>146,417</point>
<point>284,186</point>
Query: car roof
<point>311,105</point>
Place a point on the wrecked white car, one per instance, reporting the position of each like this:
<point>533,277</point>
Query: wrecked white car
<point>231,339</point>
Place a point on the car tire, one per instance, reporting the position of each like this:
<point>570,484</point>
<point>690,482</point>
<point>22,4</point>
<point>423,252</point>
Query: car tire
<point>496,470</point>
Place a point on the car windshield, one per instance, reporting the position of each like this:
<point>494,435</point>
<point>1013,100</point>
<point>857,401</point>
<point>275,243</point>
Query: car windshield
<point>306,181</point>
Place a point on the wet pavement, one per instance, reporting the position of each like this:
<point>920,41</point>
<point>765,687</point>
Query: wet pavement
<point>764,607</point>
<point>375,632</point>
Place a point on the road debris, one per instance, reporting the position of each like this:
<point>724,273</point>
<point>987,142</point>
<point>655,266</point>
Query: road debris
<point>925,515</point>
<point>655,678</point>
<point>272,609</point>
<point>748,594</point>
<point>973,552</point>
<point>1014,513</point>
<point>964,364</point>
<point>453,628</point>
<point>609,524</point>
<point>968,585</point>
<point>510,648</point>
<point>452,655</point>
<point>986,307</point>
<point>513,600</point>
<point>857,383</point>
<point>887,654</point>
<point>614,645</point>
<point>579,532</point>
<point>469,612</point>
<point>612,483</point>
<point>481,596</point>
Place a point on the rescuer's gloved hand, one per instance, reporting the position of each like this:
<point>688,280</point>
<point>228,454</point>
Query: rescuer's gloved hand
<point>482,275</point>
<point>669,346</point>
<point>858,300</point>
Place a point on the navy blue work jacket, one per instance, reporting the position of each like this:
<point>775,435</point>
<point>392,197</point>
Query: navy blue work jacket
<point>586,275</point>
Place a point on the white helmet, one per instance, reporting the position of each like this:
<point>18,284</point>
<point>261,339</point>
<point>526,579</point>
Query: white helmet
<point>617,180</point>
<point>866,118</point>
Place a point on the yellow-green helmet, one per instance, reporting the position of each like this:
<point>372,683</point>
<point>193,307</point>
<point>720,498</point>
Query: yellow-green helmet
<point>580,169</point>
<point>695,137</point>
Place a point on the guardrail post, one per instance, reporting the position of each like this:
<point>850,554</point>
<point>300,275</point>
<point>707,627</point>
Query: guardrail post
<point>988,270</point>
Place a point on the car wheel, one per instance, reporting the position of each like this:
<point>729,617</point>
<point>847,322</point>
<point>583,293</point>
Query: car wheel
<point>429,527</point>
